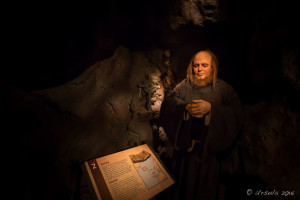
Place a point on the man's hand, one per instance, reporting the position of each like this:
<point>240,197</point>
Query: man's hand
<point>198,108</point>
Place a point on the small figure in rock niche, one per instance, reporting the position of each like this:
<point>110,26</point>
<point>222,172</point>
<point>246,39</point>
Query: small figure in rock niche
<point>149,87</point>
<point>201,118</point>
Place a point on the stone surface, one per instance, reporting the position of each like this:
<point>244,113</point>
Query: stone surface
<point>270,140</point>
<point>194,11</point>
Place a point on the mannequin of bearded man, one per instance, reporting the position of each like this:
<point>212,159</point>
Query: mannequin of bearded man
<point>201,118</point>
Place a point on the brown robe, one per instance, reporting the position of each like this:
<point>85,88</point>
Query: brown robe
<point>196,172</point>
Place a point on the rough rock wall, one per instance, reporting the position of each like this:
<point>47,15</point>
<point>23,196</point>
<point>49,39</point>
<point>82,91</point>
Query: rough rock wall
<point>114,94</point>
<point>195,11</point>
<point>270,139</point>
<point>270,142</point>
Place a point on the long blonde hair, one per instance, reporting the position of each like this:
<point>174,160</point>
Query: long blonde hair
<point>214,65</point>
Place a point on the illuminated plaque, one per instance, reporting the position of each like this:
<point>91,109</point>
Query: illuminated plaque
<point>136,173</point>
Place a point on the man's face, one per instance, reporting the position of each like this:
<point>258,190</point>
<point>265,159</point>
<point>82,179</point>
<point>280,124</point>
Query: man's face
<point>202,65</point>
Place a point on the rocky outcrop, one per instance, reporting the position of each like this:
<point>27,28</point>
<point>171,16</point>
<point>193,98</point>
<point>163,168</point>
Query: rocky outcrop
<point>116,97</point>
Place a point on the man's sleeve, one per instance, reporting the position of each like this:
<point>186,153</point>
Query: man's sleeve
<point>172,120</point>
<point>226,121</point>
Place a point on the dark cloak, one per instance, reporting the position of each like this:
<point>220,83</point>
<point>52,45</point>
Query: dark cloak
<point>197,172</point>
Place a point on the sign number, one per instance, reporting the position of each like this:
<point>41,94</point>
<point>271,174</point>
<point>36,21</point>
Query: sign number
<point>94,166</point>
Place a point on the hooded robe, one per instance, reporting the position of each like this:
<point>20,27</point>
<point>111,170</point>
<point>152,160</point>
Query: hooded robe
<point>198,141</point>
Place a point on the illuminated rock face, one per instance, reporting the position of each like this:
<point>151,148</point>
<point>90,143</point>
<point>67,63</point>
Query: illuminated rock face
<point>112,99</point>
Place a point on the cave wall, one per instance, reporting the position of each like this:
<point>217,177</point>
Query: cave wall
<point>82,87</point>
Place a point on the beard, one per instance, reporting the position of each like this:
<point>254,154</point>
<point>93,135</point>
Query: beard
<point>202,82</point>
